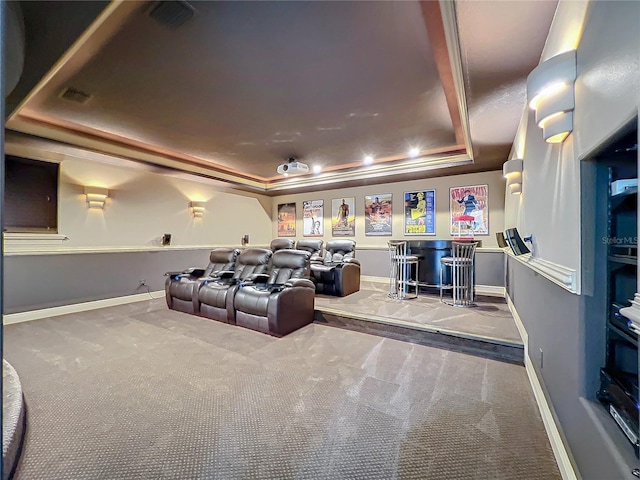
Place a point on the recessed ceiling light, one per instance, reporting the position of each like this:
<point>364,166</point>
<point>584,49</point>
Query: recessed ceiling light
<point>368,160</point>
<point>317,169</point>
<point>414,152</point>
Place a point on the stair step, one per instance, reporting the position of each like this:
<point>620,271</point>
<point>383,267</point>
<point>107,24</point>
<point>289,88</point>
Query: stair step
<point>487,347</point>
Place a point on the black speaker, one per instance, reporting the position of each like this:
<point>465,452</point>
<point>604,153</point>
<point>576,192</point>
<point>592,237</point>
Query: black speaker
<point>502,242</point>
<point>515,242</point>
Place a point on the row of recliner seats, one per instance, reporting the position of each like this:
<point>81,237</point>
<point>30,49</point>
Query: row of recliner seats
<point>334,270</point>
<point>268,290</point>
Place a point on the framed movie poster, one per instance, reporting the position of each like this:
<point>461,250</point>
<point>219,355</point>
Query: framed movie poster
<point>343,217</point>
<point>313,218</point>
<point>378,212</point>
<point>420,213</point>
<point>472,201</point>
<point>287,220</point>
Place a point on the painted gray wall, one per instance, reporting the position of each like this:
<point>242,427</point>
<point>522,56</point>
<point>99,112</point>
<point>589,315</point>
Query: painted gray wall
<point>33,282</point>
<point>373,262</point>
<point>553,317</point>
<point>41,281</point>
<point>490,268</point>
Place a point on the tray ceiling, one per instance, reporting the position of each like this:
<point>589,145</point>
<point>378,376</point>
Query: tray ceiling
<point>241,86</point>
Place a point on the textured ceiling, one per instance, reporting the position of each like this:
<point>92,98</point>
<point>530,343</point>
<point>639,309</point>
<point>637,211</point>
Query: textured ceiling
<point>500,43</point>
<point>243,85</point>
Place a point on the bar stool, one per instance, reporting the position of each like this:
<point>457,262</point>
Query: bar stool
<point>461,263</point>
<point>400,270</point>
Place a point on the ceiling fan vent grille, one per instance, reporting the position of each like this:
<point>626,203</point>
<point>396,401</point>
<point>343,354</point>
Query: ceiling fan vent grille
<point>74,95</point>
<point>172,14</point>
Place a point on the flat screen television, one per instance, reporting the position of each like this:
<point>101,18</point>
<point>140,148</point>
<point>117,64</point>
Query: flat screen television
<point>502,242</point>
<point>515,242</point>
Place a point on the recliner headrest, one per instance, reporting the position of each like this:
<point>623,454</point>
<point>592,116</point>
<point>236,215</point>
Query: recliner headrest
<point>288,258</point>
<point>341,246</point>
<point>280,243</point>
<point>223,255</point>
<point>254,256</point>
<point>312,245</point>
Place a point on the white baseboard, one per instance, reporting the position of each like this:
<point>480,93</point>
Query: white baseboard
<point>490,290</point>
<point>548,419</point>
<point>370,278</point>
<point>78,307</point>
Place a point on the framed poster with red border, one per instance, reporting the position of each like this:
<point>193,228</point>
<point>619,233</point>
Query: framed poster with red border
<point>287,220</point>
<point>472,200</point>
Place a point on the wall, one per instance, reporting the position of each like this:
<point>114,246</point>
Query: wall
<point>558,352</point>
<point>607,97</point>
<point>441,185</point>
<point>109,251</point>
<point>143,205</point>
<point>145,202</point>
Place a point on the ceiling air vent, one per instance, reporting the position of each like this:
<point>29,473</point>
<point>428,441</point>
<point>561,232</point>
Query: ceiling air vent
<point>74,95</point>
<point>172,14</point>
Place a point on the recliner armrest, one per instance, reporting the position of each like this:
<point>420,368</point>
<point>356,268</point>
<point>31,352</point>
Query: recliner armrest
<point>172,274</point>
<point>300,282</point>
<point>224,274</point>
<point>270,287</point>
<point>259,278</point>
<point>192,272</point>
<point>315,258</point>
<point>353,261</point>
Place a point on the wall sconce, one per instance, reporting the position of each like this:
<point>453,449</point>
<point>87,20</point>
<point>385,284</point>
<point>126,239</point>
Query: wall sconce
<point>512,171</point>
<point>96,196</point>
<point>550,90</point>
<point>197,208</point>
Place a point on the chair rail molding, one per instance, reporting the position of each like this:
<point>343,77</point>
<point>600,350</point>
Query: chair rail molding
<point>47,249</point>
<point>559,274</point>
<point>32,241</point>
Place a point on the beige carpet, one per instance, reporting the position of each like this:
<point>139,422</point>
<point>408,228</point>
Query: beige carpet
<point>140,392</point>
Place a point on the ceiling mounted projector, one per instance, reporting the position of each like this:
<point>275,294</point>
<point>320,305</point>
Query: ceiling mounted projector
<point>293,167</point>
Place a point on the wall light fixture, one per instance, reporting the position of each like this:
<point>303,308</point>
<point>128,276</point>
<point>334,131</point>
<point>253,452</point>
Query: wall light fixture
<point>550,90</point>
<point>197,208</point>
<point>512,171</point>
<point>96,196</point>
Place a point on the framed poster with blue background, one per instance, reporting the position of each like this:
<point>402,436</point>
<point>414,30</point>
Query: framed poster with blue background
<point>420,213</point>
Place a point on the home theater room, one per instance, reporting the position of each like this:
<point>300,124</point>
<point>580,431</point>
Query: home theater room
<point>320,239</point>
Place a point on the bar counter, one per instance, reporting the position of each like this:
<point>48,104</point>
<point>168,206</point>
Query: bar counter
<point>429,253</point>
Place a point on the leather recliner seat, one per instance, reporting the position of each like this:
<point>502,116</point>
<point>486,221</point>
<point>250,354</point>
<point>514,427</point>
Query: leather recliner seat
<point>284,303</point>
<point>339,273</point>
<point>179,287</point>
<point>214,299</point>
<point>313,246</point>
